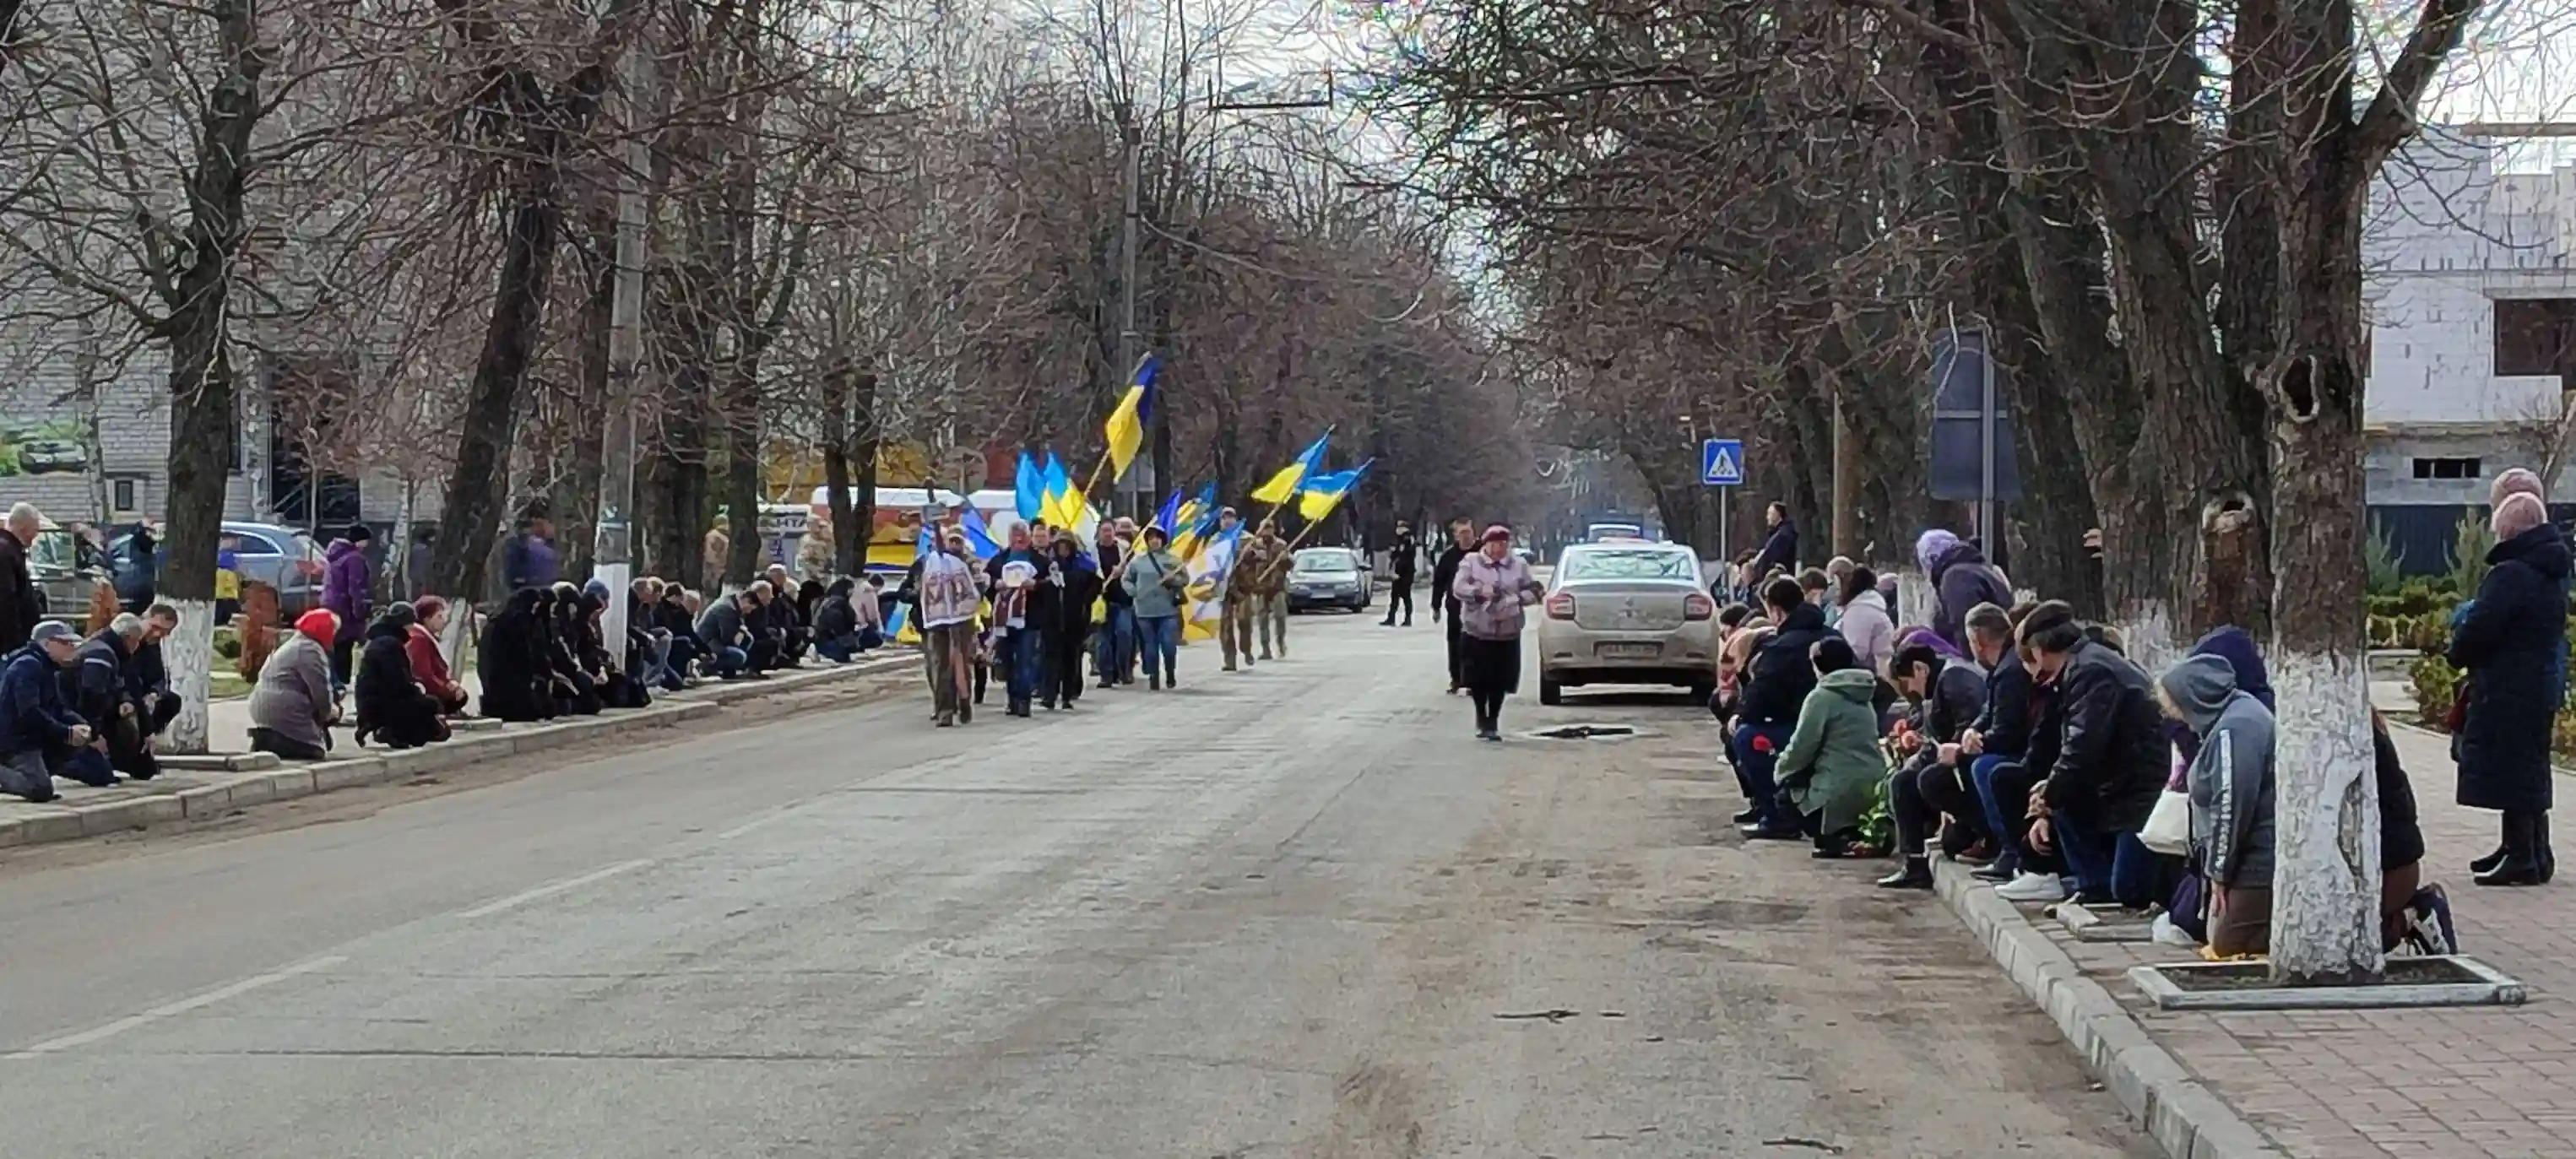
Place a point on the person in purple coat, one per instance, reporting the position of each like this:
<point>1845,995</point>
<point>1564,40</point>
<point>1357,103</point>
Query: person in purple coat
<point>347,588</point>
<point>1961,579</point>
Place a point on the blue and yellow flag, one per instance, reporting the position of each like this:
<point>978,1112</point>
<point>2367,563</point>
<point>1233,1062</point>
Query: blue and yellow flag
<point>1028,490</point>
<point>1322,493</point>
<point>1283,486</point>
<point>1126,431</point>
<point>1059,503</point>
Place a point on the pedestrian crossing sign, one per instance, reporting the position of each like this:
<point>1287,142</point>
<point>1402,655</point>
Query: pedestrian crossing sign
<point>1721,462</point>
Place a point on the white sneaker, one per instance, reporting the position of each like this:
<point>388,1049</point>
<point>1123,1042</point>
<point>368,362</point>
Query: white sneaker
<point>2033,887</point>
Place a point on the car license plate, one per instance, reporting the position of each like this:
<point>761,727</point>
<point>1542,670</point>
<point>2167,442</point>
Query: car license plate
<point>1628,651</point>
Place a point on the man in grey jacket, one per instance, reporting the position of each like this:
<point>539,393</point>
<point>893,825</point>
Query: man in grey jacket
<point>2231,799</point>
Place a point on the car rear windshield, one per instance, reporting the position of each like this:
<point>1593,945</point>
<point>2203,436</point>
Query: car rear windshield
<point>1629,565</point>
<point>1334,561</point>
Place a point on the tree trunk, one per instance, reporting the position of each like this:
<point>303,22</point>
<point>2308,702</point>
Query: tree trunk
<point>479,487</point>
<point>849,542</point>
<point>203,432</point>
<point>742,482</point>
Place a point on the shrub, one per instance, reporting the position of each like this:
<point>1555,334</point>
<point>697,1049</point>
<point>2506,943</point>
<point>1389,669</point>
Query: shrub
<point>258,635</point>
<point>2470,543</point>
<point>2435,682</point>
<point>103,607</point>
<point>2382,562</point>
<point>227,644</point>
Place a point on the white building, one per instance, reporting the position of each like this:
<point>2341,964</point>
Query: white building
<point>2471,302</point>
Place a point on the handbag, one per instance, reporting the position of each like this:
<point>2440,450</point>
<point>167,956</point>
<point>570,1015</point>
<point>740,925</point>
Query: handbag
<point>2456,717</point>
<point>2168,828</point>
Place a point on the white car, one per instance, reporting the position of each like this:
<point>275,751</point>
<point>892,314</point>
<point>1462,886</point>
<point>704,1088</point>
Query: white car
<point>1627,612</point>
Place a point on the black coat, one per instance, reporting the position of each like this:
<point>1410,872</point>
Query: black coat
<point>390,702</point>
<point>1782,673</point>
<point>512,663</point>
<point>2513,641</point>
<point>1779,549</point>
<point>2111,753</point>
<point>1082,586</point>
<point>20,606</point>
<point>2003,725</point>
<point>99,680</point>
<point>1444,572</point>
<point>1400,558</point>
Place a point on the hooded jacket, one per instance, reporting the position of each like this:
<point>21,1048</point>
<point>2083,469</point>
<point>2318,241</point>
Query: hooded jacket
<point>1832,763</point>
<point>2231,777</point>
<point>2513,641</point>
<point>1963,579</point>
<point>345,585</point>
<point>2245,660</point>
<point>1866,625</point>
<point>1781,675</point>
<point>2110,763</point>
<point>835,618</point>
<point>384,667</point>
<point>512,663</point>
<point>1957,697</point>
<point>1081,580</point>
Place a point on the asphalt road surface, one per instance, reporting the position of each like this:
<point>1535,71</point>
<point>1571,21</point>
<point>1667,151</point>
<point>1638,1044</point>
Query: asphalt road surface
<point>1291,912</point>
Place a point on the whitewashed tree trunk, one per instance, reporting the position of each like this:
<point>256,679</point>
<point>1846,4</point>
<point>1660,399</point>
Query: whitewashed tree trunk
<point>2325,876</point>
<point>189,653</point>
<point>403,546</point>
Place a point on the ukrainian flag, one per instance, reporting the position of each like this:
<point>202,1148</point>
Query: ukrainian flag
<point>1283,486</point>
<point>1207,572</point>
<point>1322,493</point>
<point>1061,503</point>
<point>1126,431</point>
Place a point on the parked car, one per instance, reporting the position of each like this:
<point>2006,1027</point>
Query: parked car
<point>64,577</point>
<point>270,553</point>
<point>52,457</point>
<point>1328,577</point>
<point>1627,612</point>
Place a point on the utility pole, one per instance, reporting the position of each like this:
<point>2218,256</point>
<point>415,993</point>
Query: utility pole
<point>614,559</point>
<point>1140,473</point>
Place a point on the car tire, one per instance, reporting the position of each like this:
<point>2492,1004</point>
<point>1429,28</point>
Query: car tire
<point>1550,692</point>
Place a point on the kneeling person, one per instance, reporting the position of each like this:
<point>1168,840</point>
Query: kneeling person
<point>1832,761</point>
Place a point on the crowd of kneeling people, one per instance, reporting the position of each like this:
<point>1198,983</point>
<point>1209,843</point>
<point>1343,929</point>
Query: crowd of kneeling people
<point>2018,739</point>
<point>545,654</point>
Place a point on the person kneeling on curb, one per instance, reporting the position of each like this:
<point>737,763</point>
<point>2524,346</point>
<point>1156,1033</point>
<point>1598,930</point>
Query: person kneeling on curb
<point>39,732</point>
<point>2231,799</point>
<point>392,705</point>
<point>292,707</point>
<point>1832,761</point>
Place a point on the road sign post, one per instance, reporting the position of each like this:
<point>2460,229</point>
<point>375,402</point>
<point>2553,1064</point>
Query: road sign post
<point>1721,465</point>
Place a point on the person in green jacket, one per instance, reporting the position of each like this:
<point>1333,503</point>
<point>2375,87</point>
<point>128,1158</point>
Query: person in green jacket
<point>1833,761</point>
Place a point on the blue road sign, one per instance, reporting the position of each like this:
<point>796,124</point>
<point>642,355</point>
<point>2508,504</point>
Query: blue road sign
<point>1721,462</point>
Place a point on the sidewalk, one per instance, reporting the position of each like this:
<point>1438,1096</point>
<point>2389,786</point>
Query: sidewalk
<point>255,778</point>
<point>2461,1083</point>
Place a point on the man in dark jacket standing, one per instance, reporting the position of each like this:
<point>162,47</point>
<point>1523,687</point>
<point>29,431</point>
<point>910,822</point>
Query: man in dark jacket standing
<point>529,559</point>
<point>19,605</point>
<point>1776,686</point>
<point>1779,548</point>
<point>39,732</point>
<point>1444,574</point>
<point>2111,758</point>
<point>1399,563</point>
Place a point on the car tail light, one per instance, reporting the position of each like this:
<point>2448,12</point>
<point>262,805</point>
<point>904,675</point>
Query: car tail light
<point>1698,607</point>
<point>1560,606</point>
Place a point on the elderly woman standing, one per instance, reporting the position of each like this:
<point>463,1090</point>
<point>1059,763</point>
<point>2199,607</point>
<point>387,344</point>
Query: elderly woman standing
<point>1493,589</point>
<point>2513,640</point>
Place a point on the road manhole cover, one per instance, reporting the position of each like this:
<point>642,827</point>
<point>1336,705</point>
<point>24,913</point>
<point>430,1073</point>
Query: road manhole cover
<point>1586,732</point>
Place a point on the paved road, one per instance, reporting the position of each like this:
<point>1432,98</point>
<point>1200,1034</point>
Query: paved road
<point>1285,913</point>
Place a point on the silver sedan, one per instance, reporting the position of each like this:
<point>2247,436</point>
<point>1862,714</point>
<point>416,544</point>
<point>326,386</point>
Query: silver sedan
<point>1627,613</point>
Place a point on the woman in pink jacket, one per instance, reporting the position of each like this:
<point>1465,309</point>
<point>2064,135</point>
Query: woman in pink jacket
<point>1493,588</point>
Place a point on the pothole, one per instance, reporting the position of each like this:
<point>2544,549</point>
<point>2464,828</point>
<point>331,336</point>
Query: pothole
<point>1586,732</point>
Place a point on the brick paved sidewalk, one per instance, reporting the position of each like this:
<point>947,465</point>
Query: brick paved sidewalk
<point>2470,1083</point>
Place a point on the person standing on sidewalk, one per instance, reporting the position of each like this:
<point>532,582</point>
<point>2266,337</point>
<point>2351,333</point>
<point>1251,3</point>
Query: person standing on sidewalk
<point>19,605</point>
<point>1779,547</point>
<point>1399,560</point>
<point>2512,639</point>
<point>348,590</point>
<point>946,598</point>
<point>1494,589</point>
<point>1018,575</point>
<point>1444,575</point>
<point>1077,586</point>
<point>529,558</point>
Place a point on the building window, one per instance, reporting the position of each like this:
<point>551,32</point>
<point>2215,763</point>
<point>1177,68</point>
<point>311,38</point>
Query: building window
<point>2446,468</point>
<point>2536,337</point>
<point>124,496</point>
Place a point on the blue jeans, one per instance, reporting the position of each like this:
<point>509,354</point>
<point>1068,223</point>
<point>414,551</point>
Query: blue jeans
<point>1753,770</point>
<point>838,649</point>
<point>2113,864</point>
<point>1021,655</point>
<point>1159,638</point>
<point>1113,647</point>
<point>2000,815</point>
<point>728,661</point>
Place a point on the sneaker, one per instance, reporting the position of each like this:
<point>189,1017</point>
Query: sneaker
<point>1771,833</point>
<point>1917,874</point>
<point>2033,887</point>
<point>1748,816</point>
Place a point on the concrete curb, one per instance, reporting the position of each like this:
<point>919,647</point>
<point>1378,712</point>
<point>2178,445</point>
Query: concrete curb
<point>266,781</point>
<point>2186,1118</point>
